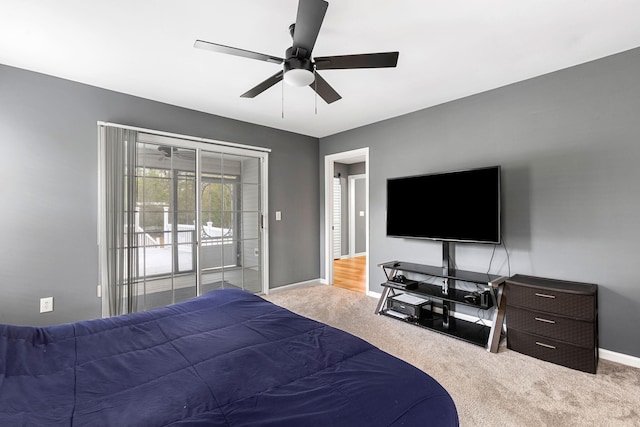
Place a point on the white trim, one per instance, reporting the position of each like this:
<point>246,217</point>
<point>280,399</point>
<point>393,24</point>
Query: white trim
<point>328,208</point>
<point>328,218</point>
<point>352,212</point>
<point>375,295</point>
<point>102,231</point>
<point>622,358</point>
<point>188,137</point>
<point>297,285</point>
<point>196,143</point>
<point>264,206</point>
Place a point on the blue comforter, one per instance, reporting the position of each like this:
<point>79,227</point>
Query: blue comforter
<point>226,358</point>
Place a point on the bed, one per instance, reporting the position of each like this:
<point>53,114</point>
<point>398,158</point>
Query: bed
<point>226,358</point>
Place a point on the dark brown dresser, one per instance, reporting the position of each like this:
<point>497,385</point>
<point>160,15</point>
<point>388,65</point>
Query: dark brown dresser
<point>553,320</point>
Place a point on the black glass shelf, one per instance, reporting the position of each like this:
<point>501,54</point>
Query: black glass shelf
<point>430,270</point>
<point>435,291</point>
<point>474,333</point>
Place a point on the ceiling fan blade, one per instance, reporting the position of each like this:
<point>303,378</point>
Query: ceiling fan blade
<point>324,89</point>
<point>308,22</point>
<point>252,93</point>
<point>365,60</point>
<point>201,44</point>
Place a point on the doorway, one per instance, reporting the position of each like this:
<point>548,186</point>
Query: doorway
<point>347,219</point>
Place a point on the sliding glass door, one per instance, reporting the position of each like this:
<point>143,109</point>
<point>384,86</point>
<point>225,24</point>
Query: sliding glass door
<point>197,221</point>
<point>165,226</point>
<point>230,215</point>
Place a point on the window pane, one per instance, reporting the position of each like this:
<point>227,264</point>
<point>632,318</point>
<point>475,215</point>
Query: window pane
<point>250,253</point>
<point>250,197</point>
<point>251,280</point>
<point>185,192</point>
<point>185,258</point>
<point>250,227</point>
<point>154,189</point>
<point>211,281</point>
<point>155,261</point>
<point>233,278</point>
<point>158,292</point>
<point>211,195</point>
<point>250,171</point>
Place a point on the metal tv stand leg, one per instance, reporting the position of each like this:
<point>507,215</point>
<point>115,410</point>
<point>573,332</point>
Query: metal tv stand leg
<point>385,291</point>
<point>498,315</point>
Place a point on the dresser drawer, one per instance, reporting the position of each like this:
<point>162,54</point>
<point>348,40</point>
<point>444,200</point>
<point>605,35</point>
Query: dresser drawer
<point>578,332</point>
<point>561,353</point>
<point>568,304</point>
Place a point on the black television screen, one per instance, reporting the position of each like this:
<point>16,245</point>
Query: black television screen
<point>461,206</point>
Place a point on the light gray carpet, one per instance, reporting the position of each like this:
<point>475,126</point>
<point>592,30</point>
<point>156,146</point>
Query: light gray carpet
<point>489,389</point>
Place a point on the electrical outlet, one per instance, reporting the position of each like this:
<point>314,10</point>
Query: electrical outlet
<point>46,304</point>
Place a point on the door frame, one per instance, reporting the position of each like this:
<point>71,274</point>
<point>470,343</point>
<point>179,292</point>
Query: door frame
<point>198,144</point>
<point>352,214</point>
<point>202,144</point>
<point>362,154</point>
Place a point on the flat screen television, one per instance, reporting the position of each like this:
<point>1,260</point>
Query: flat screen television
<point>460,206</point>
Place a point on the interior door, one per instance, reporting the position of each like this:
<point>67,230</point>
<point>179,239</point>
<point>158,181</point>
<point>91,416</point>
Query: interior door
<point>337,218</point>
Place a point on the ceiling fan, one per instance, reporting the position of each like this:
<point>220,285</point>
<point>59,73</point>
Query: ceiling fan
<point>299,69</point>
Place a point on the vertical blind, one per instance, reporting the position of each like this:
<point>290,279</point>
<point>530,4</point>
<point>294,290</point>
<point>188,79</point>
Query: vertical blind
<point>118,161</point>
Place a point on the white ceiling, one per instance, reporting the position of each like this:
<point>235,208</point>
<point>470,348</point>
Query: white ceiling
<point>448,50</point>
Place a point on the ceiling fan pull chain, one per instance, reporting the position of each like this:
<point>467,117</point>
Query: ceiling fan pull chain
<point>315,85</point>
<point>282,86</point>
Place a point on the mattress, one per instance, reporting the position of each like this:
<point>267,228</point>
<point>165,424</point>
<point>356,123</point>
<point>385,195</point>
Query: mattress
<point>226,358</point>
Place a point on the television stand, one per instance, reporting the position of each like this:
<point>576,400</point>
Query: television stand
<point>487,336</point>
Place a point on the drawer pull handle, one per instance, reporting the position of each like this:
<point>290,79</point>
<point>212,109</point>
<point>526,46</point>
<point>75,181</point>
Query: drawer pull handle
<point>545,295</point>
<point>540,319</point>
<point>541,344</point>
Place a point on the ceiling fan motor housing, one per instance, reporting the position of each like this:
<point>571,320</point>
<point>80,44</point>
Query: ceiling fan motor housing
<point>298,69</point>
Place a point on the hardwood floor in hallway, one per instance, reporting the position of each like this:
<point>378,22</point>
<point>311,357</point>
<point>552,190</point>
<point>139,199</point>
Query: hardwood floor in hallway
<point>349,273</point>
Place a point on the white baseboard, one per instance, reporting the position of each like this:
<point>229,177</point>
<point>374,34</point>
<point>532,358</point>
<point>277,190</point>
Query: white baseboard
<point>621,358</point>
<point>375,295</point>
<point>298,285</point>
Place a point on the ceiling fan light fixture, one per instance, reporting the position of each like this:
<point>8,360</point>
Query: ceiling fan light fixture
<point>299,77</point>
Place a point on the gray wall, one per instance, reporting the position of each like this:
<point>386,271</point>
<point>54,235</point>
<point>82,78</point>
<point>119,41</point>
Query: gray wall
<point>48,188</point>
<point>569,147</point>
